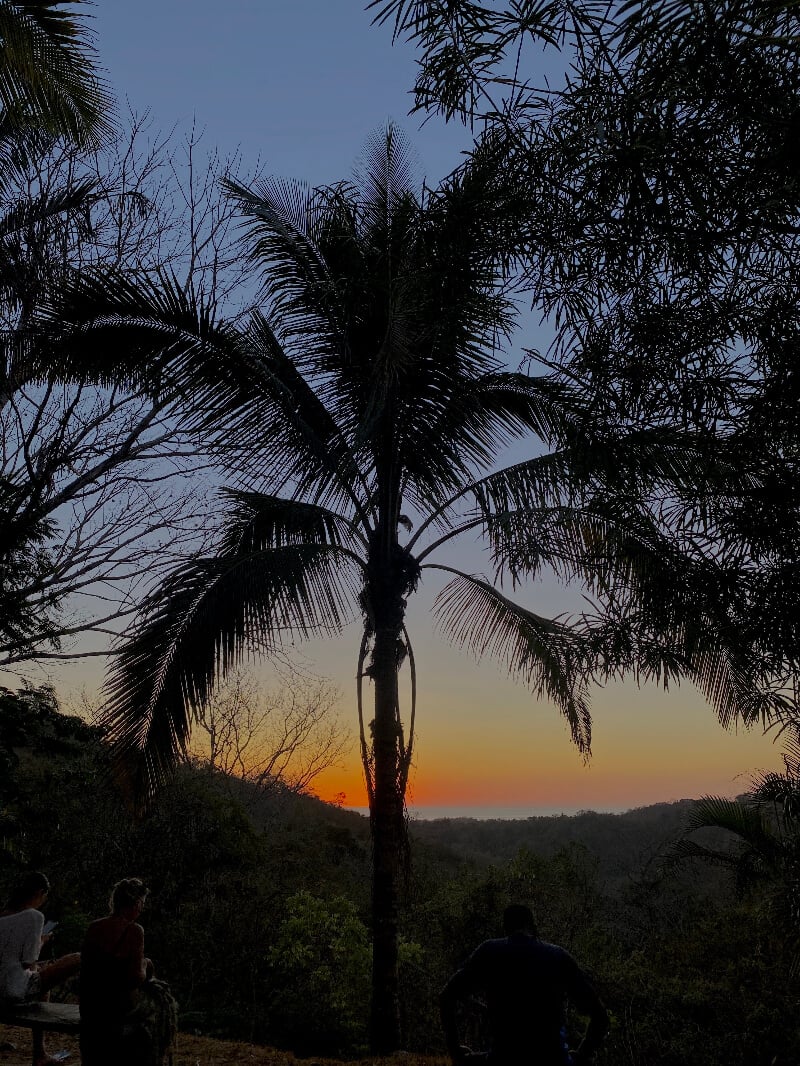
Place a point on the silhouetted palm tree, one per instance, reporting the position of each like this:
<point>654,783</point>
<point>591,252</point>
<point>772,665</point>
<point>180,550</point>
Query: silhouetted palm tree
<point>367,415</point>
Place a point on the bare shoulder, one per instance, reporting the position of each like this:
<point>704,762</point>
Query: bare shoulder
<point>107,936</point>
<point>95,931</point>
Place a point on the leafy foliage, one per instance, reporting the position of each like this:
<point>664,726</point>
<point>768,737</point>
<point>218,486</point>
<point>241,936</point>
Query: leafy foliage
<point>48,71</point>
<point>321,955</point>
<point>644,152</point>
<point>764,829</point>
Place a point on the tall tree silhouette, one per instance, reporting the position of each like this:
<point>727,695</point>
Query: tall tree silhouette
<point>366,415</point>
<point>662,224</point>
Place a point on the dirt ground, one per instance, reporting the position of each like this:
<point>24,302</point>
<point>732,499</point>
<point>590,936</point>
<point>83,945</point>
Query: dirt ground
<point>190,1051</point>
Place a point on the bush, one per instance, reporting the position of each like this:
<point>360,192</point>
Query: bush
<point>320,965</point>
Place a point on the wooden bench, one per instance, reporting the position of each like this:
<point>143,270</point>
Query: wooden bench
<point>50,1017</point>
<point>46,1017</point>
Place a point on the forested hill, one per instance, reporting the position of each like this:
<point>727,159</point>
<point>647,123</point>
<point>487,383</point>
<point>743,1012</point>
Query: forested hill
<point>622,843</point>
<point>260,905</point>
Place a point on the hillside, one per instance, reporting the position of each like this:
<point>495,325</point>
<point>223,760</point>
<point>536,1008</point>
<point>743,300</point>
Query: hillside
<point>623,843</point>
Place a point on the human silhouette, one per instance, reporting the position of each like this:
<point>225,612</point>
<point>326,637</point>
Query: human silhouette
<point>127,1016</point>
<point>525,984</point>
<point>23,979</point>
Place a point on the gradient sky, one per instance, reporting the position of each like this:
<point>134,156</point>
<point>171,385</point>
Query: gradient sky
<point>299,85</point>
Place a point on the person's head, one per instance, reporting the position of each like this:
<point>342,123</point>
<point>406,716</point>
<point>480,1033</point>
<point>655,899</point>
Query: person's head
<point>519,919</point>
<point>29,891</point>
<point>127,895</point>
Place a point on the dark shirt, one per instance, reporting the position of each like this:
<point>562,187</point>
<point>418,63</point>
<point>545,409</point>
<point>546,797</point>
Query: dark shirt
<point>526,983</point>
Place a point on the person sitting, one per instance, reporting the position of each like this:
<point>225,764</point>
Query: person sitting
<point>527,983</point>
<point>126,1015</point>
<point>22,977</point>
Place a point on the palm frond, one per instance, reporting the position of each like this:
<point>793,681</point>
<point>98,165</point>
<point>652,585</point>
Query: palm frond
<point>756,850</point>
<point>256,521</point>
<point>743,820</point>
<point>296,432</point>
<point>481,417</point>
<point>546,654</point>
<point>681,850</point>
<point>532,484</point>
<point>247,394</point>
<point>787,729</point>
<point>31,233</point>
<point>284,222</point>
<point>48,73</point>
<point>206,618</point>
<point>154,323</point>
<point>782,790</point>
<point>34,211</point>
<point>385,177</point>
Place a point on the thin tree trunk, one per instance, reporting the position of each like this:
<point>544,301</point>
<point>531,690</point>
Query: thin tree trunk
<point>387,819</point>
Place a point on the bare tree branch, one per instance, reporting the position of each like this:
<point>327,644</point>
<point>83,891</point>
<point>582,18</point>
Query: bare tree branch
<point>101,492</point>
<point>284,736</point>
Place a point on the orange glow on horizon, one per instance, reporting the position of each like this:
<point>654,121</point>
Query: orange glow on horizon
<point>649,747</point>
<point>343,786</point>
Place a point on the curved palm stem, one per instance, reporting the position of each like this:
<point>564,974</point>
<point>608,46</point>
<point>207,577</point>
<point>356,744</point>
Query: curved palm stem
<point>407,753</point>
<point>528,472</point>
<point>366,761</point>
<point>464,527</point>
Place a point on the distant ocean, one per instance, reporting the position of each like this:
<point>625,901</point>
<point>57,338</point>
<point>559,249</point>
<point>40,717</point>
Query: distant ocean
<point>427,814</point>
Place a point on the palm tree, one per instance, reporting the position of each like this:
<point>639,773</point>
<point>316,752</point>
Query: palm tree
<point>48,77</point>
<point>764,828</point>
<point>367,415</point>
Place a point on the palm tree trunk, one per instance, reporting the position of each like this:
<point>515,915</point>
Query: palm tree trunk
<point>387,820</point>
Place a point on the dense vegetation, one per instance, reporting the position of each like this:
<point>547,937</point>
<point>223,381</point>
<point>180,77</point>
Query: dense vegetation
<point>648,208</point>
<point>260,905</point>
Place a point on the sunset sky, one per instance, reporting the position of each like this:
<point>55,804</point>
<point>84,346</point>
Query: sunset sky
<point>299,85</point>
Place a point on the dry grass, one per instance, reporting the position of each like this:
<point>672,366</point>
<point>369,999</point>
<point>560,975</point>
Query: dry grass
<point>193,1051</point>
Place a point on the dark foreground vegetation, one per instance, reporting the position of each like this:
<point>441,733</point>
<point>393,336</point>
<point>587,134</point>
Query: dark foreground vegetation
<point>260,907</point>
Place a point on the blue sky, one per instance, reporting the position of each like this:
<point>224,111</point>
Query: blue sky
<point>298,83</point>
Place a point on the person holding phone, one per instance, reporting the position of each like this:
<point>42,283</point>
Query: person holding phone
<point>22,935</point>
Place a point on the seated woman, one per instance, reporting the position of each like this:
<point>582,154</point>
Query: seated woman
<point>116,984</point>
<point>22,977</point>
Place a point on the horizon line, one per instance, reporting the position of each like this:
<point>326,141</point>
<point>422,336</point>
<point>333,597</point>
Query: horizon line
<point>505,812</point>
